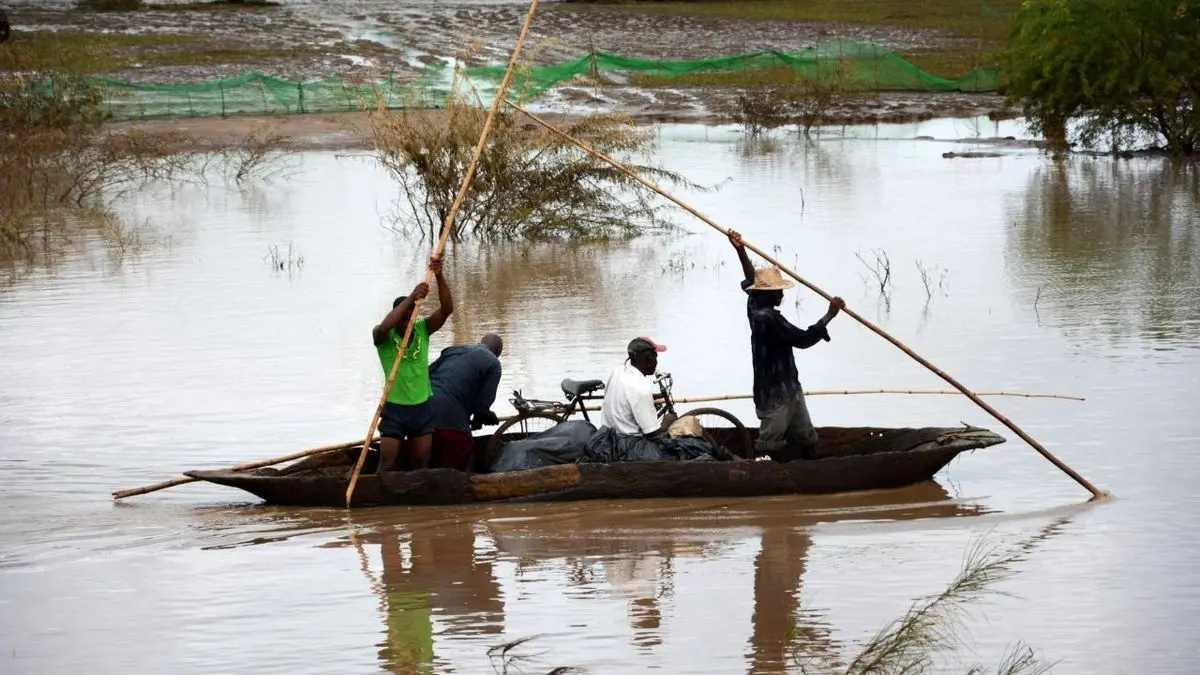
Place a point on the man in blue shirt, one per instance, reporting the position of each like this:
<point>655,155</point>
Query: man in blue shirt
<point>464,380</point>
<point>785,430</point>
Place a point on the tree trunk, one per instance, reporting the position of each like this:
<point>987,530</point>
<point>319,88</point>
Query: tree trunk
<point>1055,131</point>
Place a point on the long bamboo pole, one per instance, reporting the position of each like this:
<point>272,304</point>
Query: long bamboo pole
<point>447,227</point>
<point>850,392</point>
<point>121,494</point>
<point>1096,493</point>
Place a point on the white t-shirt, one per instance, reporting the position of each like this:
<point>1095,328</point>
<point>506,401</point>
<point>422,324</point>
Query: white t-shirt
<point>628,406</point>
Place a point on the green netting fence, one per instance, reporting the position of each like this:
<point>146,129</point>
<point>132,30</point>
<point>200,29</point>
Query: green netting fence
<point>868,65</point>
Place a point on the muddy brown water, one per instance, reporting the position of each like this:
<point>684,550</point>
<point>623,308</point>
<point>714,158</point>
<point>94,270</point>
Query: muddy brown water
<point>1081,277</point>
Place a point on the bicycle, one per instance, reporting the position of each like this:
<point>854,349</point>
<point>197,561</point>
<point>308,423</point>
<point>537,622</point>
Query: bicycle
<point>534,416</point>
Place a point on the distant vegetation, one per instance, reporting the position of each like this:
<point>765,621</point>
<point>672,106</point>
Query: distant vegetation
<point>1128,71</point>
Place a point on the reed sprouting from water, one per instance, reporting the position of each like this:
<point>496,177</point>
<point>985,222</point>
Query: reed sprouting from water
<point>910,644</point>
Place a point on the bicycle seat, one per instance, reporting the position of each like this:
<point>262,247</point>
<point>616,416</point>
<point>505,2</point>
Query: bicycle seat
<point>576,389</point>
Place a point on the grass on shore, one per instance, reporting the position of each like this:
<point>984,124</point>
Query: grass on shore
<point>92,53</point>
<point>974,29</point>
<point>217,6</point>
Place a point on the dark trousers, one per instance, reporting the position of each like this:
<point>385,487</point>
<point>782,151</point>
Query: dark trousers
<point>786,431</point>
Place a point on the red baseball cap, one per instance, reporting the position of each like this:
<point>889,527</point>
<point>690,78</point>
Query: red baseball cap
<point>644,344</point>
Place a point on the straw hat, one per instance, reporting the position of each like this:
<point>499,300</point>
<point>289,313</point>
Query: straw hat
<point>769,279</point>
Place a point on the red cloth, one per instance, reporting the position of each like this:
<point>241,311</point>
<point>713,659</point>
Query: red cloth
<point>451,449</point>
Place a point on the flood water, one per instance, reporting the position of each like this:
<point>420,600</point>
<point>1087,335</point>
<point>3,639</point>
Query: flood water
<point>1080,278</point>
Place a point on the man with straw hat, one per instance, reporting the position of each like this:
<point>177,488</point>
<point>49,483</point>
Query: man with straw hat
<point>785,429</point>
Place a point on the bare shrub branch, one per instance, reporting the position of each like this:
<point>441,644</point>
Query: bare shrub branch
<point>61,169</point>
<point>529,183</point>
<point>881,270</point>
<point>929,281</point>
<point>803,100</point>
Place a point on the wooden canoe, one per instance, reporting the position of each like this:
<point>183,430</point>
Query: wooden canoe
<point>848,459</point>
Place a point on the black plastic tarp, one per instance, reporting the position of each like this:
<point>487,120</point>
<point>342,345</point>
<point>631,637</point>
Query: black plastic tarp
<point>607,446</point>
<point>561,444</point>
<point>578,441</point>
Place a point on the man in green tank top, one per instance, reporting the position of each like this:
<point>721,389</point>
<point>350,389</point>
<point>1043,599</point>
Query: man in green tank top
<point>408,413</point>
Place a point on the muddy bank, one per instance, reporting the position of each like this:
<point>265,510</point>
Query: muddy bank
<point>352,131</point>
<point>366,39</point>
<point>370,36</point>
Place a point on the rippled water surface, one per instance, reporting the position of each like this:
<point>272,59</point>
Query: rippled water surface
<point>1081,277</point>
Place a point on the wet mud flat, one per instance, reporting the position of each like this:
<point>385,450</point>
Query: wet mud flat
<point>369,39</point>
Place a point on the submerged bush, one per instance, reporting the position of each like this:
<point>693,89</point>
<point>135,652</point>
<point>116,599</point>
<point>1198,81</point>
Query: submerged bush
<point>804,100</point>
<point>529,183</point>
<point>60,170</point>
<point>55,164</point>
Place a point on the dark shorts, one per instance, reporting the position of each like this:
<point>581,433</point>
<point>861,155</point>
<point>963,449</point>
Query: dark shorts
<point>451,449</point>
<point>406,421</point>
<point>785,431</point>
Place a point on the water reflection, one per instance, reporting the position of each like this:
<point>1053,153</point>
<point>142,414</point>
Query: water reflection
<point>439,576</point>
<point>433,572</point>
<point>633,553</point>
<point>1119,240</point>
<point>498,281</point>
<point>198,355</point>
<point>779,624</point>
<point>434,579</point>
<point>790,153</point>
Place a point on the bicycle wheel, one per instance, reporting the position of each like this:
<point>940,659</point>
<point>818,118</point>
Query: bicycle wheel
<point>723,428</point>
<point>518,427</point>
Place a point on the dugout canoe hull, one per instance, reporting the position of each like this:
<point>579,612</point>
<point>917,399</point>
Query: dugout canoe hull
<point>849,459</point>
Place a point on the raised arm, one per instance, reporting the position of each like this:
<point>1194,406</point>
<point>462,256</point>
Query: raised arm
<point>445,299</point>
<point>740,247</point>
<point>398,313</point>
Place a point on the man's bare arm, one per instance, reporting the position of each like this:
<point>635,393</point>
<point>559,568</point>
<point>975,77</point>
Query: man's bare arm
<point>740,247</point>
<point>393,318</point>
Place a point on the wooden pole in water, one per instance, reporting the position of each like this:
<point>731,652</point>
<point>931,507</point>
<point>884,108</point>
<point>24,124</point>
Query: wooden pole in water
<point>121,494</point>
<point>1096,493</point>
<point>447,227</point>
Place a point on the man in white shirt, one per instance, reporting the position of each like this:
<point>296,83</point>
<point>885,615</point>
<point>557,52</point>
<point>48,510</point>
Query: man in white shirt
<point>628,406</point>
